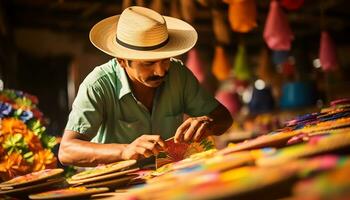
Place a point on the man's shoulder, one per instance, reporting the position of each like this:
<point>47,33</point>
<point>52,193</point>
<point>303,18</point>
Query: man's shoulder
<point>101,74</point>
<point>178,68</point>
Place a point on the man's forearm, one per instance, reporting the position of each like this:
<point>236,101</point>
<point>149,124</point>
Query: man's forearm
<point>222,120</point>
<point>87,154</point>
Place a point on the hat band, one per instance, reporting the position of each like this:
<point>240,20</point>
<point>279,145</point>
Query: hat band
<point>142,48</point>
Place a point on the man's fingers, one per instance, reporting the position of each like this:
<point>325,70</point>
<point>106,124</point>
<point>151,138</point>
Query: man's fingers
<point>147,144</point>
<point>188,134</point>
<point>200,131</point>
<point>180,131</point>
<point>154,138</point>
<point>143,151</point>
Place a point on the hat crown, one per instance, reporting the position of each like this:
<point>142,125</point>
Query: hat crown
<point>142,27</point>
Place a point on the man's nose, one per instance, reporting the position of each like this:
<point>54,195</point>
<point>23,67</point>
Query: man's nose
<point>160,69</point>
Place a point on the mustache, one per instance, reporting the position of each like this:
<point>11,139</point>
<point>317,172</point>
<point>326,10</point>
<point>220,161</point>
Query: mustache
<point>156,78</point>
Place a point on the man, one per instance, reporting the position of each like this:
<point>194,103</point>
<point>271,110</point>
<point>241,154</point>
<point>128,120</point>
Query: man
<point>126,108</point>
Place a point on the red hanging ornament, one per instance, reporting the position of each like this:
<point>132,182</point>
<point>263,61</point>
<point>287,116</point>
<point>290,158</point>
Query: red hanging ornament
<point>292,4</point>
<point>328,57</point>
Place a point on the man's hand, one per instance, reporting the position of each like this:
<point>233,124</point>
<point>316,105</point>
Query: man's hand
<point>192,129</point>
<point>143,146</point>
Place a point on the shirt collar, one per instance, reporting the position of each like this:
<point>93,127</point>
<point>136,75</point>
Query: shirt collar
<point>125,87</point>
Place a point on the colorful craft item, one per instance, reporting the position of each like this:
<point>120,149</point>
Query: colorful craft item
<point>292,4</point>
<point>113,175</point>
<point>104,169</point>
<point>262,101</point>
<point>265,70</point>
<point>328,56</point>
<point>329,185</point>
<point>179,151</point>
<point>230,100</point>
<point>296,95</point>
<point>24,190</point>
<point>157,5</point>
<point>188,10</point>
<point>220,27</point>
<point>323,145</point>
<point>242,15</point>
<point>277,33</point>
<point>221,67</point>
<point>241,70</point>
<point>195,65</point>
<point>72,192</point>
<point>32,177</point>
<point>343,101</point>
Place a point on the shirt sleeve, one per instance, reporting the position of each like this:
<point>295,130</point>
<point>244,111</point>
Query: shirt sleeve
<point>87,110</point>
<point>198,101</point>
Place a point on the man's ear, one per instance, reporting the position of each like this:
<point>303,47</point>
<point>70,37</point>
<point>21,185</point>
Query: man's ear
<point>122,62</point>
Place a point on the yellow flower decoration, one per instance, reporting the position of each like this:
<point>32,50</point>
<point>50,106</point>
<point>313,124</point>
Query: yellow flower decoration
<point>44,159</point>
<point>13,165</point>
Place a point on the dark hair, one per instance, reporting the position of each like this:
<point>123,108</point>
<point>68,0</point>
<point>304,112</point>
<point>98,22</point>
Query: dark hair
<point>129,62</point>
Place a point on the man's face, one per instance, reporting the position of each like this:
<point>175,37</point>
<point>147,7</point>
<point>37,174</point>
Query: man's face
<point>149,73</point>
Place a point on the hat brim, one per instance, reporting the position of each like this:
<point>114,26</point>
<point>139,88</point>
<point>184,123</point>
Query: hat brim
<point>182,37</point>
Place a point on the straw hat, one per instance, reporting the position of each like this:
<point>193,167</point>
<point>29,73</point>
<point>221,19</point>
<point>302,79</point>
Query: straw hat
<point>142,34</point>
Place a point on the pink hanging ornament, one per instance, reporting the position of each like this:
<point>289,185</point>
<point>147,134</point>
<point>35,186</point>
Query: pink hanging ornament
<point>277,33</point>
<point>328,57</point>
<point>195,65</point>
<point>230,100</point>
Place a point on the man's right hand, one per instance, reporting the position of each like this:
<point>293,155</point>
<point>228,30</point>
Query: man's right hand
<point>143,146</point>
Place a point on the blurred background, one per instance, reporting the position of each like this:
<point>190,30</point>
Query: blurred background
<point>266,61</point>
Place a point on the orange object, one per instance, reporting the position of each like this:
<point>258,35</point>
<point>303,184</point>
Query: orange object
<point>242,15</point>
<point>221,64</point>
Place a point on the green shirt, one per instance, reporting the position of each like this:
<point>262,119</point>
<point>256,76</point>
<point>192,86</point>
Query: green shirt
<point>105,105</point>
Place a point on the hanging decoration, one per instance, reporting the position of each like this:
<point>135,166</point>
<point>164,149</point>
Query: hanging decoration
<point>230,100</point>
<point>174,9</point>
<point>188,10</point>
<point>288,68</point>
<point>126,4</point>
<point>241,67</point>
<point>327,54</point>
<point>221,64</point>
<point>277,33</point>
<point>264,70</point>
<point>204,3</point>
<point>195,65</point>
<point>140,3</point>
<point>242,15</point>
<point>157,5</point>
<point>292,4</point>
<point>220,26</point>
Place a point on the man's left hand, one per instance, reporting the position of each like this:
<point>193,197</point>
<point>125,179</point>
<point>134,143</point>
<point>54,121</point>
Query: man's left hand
<point>192,129</point>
